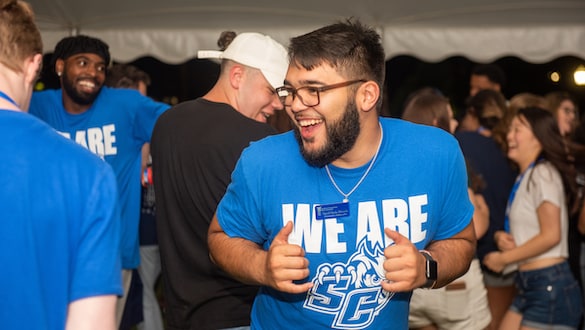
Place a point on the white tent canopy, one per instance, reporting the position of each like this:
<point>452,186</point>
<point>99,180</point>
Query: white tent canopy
<point>174,30</point>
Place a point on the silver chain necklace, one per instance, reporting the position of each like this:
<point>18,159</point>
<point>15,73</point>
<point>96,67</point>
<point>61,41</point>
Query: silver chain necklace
<point>346,196</point>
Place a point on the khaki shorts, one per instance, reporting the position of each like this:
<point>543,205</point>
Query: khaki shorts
<point>460,305</point>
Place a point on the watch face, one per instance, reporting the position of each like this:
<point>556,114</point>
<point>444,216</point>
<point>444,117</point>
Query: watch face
<point>431,270</point>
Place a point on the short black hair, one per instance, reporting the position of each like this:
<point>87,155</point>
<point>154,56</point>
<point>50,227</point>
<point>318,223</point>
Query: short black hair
<point>493,72</point>
<point>80,44</point>
<point>351,47</point>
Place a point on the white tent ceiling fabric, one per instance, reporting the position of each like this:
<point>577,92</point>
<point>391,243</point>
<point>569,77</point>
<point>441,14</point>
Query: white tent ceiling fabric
<point>174,30</point>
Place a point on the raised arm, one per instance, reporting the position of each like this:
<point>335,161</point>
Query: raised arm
<point>246,261</point>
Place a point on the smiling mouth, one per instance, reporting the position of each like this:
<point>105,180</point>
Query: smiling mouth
<point>309,122</point>
<point>87,84</point>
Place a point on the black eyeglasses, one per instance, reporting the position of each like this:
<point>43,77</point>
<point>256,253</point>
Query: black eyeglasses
<point>309,95</point>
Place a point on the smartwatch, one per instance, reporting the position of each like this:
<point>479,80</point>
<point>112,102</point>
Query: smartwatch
<point>430,270</point>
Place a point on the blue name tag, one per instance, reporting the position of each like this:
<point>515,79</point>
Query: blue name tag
<point>330,211</point>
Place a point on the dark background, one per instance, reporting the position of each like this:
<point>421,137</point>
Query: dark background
<point>173,83</point>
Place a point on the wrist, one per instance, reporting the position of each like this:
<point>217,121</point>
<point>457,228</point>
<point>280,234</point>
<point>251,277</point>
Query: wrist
<point>504,258</point>
<point>431,268</point>
<point>497,235</point>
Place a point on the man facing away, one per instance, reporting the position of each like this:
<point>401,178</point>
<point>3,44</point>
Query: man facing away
<point>112,123</point>
<point>330,219</point>
<point>195,146</point>
<point>59,233</point>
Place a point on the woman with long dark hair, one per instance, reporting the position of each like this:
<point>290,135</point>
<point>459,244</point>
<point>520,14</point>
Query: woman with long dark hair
<point>538,211</point>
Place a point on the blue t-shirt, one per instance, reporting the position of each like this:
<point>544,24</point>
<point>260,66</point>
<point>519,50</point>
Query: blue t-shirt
<point>417,186</point>
<point>115,127</point>
<point>59,227</point>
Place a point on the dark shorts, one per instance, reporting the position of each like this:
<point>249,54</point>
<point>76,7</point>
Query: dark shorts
<point>548,298</point>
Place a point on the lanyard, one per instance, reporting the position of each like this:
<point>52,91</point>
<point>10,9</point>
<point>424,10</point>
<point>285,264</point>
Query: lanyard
<point>512,196</point>
<point>8,98</point>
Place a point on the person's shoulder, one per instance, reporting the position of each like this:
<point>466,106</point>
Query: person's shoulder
<point>61,148</point>
<point>405,126</point>
<point>46,93</point>
<point>546,171</point>
<point>122,93</point>
<point>409,131</point>
<point>473,140</point>
<point>469,135</point>
<point>200,107</point>
<point>177,109</point>
<point>131,101</point>
<point>126,95</point>
<point>70,149</point>
<point>273,146</point>
<point>278,140</point>
<point>41,98</point>
<point>274,152</point>
<point>115,91</point>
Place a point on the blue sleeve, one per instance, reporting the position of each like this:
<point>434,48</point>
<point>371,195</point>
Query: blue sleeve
<point>38,103</point>
<point>147,113</point>
<point>457,208</point>
<point>97,265</point>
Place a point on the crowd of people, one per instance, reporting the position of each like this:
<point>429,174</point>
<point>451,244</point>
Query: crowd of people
<point>344,219</point>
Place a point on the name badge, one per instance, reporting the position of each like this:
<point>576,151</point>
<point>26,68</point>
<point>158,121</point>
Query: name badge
<point>330,211</point>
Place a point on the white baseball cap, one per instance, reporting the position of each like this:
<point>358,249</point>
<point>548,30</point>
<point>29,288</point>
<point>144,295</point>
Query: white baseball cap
<point>256,51</point>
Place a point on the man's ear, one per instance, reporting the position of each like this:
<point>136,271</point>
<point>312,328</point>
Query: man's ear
<point>33,68</point>
<point>368,95</point>
<point>236,75</point>
<point>59,67</point>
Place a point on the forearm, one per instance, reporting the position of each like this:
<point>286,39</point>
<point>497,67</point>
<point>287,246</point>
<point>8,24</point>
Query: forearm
<point>481,216</point>
<point>532,248</point>
<point>453,255</point>
<point>242,259</point>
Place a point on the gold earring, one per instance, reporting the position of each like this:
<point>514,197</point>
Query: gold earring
<point>59,74</point>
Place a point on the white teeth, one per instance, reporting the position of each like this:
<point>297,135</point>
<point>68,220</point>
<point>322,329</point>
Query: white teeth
<point>86,83</point>
<point>309,122</point>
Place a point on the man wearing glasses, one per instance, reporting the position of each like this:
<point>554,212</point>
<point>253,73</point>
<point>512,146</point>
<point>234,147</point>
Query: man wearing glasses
<point>340,219</point>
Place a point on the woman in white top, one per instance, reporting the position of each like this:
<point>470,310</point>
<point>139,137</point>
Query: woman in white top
<point>548,294</point>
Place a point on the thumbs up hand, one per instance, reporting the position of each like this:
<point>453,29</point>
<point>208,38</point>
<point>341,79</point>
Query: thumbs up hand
<point>404,264</point>
<point>286,263</point>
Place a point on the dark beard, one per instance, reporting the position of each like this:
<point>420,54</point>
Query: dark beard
<point>341,137</point>
<point>76,96</point>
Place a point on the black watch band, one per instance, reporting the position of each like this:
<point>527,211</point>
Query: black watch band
<point>430,270</point>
